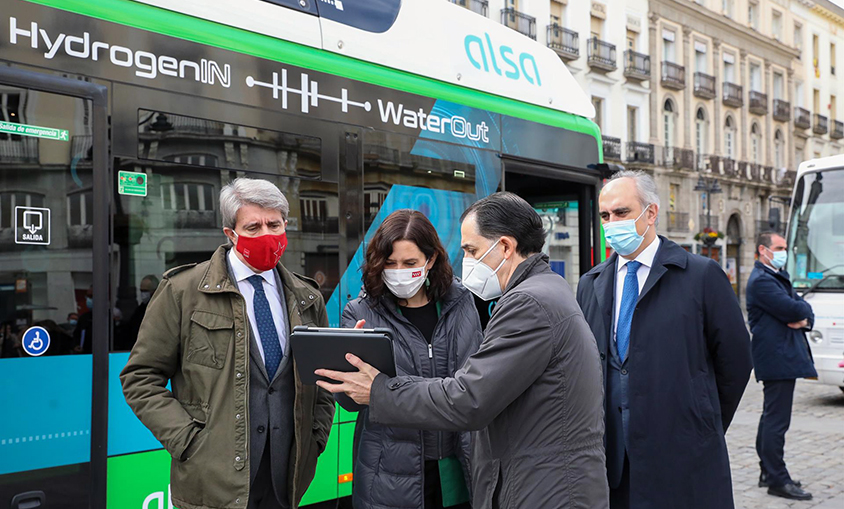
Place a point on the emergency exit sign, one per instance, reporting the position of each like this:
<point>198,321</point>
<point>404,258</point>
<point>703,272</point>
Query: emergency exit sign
<point>50,133</point>
<point>131,183</point>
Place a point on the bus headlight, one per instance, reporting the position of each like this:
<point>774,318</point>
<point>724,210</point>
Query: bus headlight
<point>816,336</point>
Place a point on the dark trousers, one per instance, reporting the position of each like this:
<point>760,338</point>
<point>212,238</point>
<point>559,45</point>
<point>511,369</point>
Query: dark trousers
<point>261,493</point>
<point>775,420</point>
<point>620,497</point>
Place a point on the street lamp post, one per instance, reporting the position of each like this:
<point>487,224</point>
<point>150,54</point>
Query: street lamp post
<point>710,186</point>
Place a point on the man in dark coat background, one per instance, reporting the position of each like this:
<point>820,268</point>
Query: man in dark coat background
<point>778,317</point>
<point>675,353</point>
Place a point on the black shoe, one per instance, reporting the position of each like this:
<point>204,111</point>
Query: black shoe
<point>789,491</point>
<point>763,481</point>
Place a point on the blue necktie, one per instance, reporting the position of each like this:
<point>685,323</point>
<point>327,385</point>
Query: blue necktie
<point>629,296</point>
<point>266,326</point>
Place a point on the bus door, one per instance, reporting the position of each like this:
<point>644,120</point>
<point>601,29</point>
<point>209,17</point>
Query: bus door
<point>53,305</point>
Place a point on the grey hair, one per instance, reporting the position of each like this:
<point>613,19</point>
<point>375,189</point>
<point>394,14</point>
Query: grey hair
<point>645,186</point>
<point>245,191</point>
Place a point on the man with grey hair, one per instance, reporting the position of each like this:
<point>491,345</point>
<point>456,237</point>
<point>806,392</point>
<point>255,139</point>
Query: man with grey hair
<point>675,353</point>
<point>242,430</point>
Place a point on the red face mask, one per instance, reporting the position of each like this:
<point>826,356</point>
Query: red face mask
<point>262,252</point>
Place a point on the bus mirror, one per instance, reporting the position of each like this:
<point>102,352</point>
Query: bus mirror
<point>774,219</point>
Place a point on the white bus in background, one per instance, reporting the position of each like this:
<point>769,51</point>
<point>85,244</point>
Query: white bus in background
<point>816,259</point>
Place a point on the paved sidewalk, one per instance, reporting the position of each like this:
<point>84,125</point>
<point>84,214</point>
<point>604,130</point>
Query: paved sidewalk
<point>814,448</point>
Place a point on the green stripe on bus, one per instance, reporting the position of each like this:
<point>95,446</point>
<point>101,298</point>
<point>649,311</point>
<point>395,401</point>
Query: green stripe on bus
<point>206,32</point>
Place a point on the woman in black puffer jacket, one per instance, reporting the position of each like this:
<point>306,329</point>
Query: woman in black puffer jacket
<point>409,288</point>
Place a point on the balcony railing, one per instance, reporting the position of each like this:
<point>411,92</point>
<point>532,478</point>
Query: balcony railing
<point>713,221</point>
<point>758,102</point>
<point>601,54</point>
<point>637,65</point>
<point>733,95</point>
<point>782,110</point>
<point>564,41</point>
<point>789,178</point>
<point>678,221</point>
<point>837,131</point>
<point>802,118</point>
<point>728,167</point>
<point>704,86</point>
<point>638,152</point>
<point>519,22</point>
<point>612,148</point>
<point>479,6</point>
<point>821,125</point>
<point>21,150</point>
<point>673,75</point>
<point>741,170</point>
<point>677,158</point>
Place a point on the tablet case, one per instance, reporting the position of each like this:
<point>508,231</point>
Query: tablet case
<point>315,348</point>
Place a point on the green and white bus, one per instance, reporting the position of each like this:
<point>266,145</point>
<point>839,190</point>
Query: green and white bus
<point>120,121</point>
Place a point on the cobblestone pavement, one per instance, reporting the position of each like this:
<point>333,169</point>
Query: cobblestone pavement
<point>814,448</point>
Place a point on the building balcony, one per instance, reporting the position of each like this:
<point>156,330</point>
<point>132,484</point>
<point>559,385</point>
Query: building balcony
<point>728,167</point>
<point>802,118</point>
<point>612,148</point>
<point>782,110</point>
<point>601,55</point>
<point>821,125</point>
<point>678,222</point>
<point>479,6</point>
<point>741,170</point>
<point>673,75</point>
<point>837,131</point>
<point>637,66</point>
<point>18,149</point>
<point>713,221</point>
<point>704,86</point>
<point>519,21</point>
<point>789,178</point>
<point>733,95</point>
<point>564,41</point>
<point>677,158</point>
<point>758,102</point>
<point>638,152</point>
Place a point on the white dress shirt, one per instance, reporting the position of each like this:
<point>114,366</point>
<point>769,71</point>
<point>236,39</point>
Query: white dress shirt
<point>274,295</point>
<point>646,258</point>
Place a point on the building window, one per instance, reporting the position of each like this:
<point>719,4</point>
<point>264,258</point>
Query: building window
<point>815,57</point>
<point>187,196</point>
<point>816,101</point>
<point>727,7</point>
<point>668,123</point>
<point>756,77</point>
<point>833,105</point>
<point>314,208</point>
<point>80,208</point>
<point>753,15</point>
<point>700,58</point>
<point>598,103</point>
<point>778,85</point>
<point>776,25</point>
<point>730,138</point>
<point>700,133</point>
<point>597,27</point>
<point>632,40</point>
<point>558,13</point>
<point>798,38</point>
<point>632,124</point>
<point>729,68</point>
<point>10,199</point>
<point>754,144</point>
<point>778,162</point>
<point>668,46</point>
<point>10,111</point>
<point>193,159</point>
<point>832,58</point>
<point>799,100</point>
<point>674,192</point>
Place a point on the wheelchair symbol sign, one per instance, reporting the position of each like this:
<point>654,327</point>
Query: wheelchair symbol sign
<point>36,341</point>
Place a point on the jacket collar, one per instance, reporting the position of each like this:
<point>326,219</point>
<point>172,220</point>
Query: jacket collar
<point>534,264</point>
<point>387,304</point>
<point>217,280</point>
<point>779,274</point>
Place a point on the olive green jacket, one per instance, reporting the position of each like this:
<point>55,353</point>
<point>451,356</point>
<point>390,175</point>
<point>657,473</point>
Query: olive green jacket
<point>195,335</point>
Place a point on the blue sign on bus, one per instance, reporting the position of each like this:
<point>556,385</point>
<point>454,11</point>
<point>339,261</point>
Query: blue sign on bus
<point>36,341</point>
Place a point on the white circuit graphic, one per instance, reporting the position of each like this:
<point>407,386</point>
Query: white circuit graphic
<point>308,91</point>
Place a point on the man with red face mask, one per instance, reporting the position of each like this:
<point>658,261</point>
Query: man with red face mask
<point>242,430</point>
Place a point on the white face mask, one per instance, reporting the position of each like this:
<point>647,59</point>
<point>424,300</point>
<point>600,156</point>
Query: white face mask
<point>145,296</point>
<point>480,279</point>
<point>404,283</point>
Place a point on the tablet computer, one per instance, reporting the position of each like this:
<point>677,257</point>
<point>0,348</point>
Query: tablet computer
<point>317,347</point>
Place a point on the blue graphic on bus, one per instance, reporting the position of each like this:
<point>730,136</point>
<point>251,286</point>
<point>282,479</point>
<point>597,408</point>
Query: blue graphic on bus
<point>46,404</point>
<point>35,341</point>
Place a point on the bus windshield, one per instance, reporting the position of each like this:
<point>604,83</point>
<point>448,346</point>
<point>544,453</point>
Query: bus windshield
<point>816,231</point>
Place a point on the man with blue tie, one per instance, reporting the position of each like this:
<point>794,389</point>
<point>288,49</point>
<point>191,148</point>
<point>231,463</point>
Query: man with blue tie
<point>242,430</point>
<point>675,353</point>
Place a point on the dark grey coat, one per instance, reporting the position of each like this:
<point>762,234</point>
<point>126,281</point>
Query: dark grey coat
<point>389,462</point>
<point>534,393</point>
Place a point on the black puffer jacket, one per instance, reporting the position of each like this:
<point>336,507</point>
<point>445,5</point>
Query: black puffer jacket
<point>389,462</point>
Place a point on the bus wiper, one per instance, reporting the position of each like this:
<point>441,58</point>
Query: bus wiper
<point>819,281</point>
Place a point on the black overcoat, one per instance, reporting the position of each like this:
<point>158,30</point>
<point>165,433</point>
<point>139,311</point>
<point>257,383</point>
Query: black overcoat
<point>688,363</point>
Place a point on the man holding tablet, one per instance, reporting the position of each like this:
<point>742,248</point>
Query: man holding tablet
<point>533,391</point>
<point>242,429</point>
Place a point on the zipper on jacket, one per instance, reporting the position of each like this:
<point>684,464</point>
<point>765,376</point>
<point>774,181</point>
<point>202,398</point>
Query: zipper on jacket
<point>430,351</point>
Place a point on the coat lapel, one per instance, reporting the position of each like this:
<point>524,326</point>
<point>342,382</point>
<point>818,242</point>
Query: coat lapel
<point>669,253</point>
<point>604,291</point>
